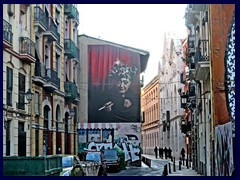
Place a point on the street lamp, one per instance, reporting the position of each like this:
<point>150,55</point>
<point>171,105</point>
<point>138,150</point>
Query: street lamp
<point>29,95</point>
<point>187,142</point>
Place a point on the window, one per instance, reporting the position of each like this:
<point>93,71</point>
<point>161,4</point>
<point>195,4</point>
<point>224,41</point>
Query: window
<point>58,65</point>
<point>21,91</point>
<point>37,142</point>
<point>66,30</point>
<point>36,103</point>
<point>9,86</point>
<point>8,138</point>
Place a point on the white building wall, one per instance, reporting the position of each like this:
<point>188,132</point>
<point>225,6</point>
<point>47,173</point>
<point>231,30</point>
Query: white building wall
<point>169,97</point>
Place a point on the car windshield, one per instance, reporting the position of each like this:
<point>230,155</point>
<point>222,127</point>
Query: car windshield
<point>110,154</point>
<point>67,161</point>
<point>93,157</point>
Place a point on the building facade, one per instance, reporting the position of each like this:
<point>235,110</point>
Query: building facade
<point>170,115</point>
<point>210,31</point>
<point>150,106</point>
<point>48,58</point>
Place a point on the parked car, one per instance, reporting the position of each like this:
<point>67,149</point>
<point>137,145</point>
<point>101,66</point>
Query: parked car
<point>112,159</point>
<point>97,157</point>
<point>71,166</point>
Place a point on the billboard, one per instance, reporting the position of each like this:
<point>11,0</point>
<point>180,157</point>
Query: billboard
<point>113,84</point>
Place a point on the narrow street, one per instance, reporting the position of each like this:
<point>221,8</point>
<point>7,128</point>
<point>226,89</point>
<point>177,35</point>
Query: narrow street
<point>138,171</point>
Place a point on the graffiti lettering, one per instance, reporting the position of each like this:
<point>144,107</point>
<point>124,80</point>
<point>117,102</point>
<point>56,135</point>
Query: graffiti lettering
<point>131,152</point>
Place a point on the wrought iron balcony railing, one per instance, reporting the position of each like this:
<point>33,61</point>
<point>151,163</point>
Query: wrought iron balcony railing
<point>52,27</point>
<point>7,32</point>
<point>40,17</point>
<point>27,46</point>
<point>40,69</point>
<point>70,90</point>
<point>70,49</point>
<point>202,53</point>
<point>71,11</point>
<point>52,76</point>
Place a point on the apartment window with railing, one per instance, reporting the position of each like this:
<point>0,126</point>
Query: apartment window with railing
<point>9,86</point>
<point>58,21</point>
<point>21,91</point>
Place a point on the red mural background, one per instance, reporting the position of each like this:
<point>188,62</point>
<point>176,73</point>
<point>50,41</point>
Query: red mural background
<point>101,59</point>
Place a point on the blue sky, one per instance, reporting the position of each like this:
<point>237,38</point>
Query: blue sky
<point>137,25</point>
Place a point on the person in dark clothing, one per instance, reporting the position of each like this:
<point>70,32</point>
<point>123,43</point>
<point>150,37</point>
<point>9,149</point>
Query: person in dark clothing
<point>170,153</point>
<point>183,153</point>
<point>160,152</point>
<point>166,152</point>
<point>120,102</point>
<point>155,151</point>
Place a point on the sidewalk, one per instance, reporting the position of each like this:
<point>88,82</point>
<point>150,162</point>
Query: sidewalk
<point>159,164</point>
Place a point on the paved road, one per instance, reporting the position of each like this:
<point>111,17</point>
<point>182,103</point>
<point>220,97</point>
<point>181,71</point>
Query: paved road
<point>138,171</point>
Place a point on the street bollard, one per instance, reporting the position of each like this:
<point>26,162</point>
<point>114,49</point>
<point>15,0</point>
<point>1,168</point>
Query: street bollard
<point>180,165</point>
<point>174,166</point>
<point>165,173</point>
<point>169,166</point>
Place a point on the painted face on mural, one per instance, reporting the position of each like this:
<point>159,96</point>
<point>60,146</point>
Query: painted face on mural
<point>123,85</point>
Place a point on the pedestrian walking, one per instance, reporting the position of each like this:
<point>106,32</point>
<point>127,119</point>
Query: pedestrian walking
<point>166,152</point>
<point>155,151</point>
<point>169,152</point>
<point>183,154</point>
<point>160,152</point>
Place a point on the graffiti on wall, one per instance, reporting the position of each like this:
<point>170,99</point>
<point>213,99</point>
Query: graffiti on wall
<point>224,150</point>
<point>131,152</point>
<point>99,136</point>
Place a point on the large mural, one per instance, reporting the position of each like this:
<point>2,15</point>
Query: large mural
<point>100,136</point>
<point>230,72</point>
<point>113,84</point>
<point>224,150</point>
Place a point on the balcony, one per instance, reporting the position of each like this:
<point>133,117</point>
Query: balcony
<point>58,39</point>
<point>70,49</point>
<point>27,50</point>
<point>185,128</point>
<point>192,12</point>
<point>71,11</point>
<point>7,35</point>
<point>71,91</point>
<point>40,73</point>
<point>53,81</point>
<point>51,32</point>
<point>202,63</point>
<point>40,20</point>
